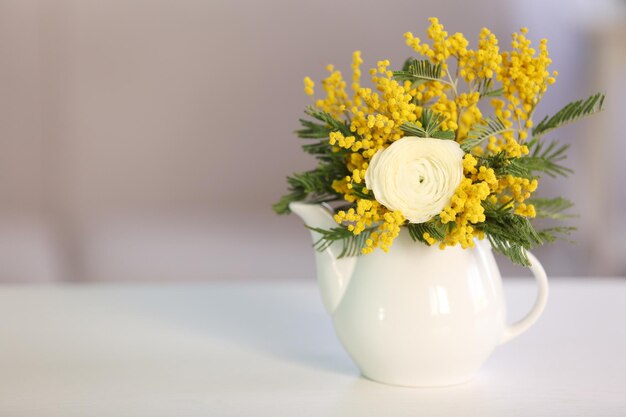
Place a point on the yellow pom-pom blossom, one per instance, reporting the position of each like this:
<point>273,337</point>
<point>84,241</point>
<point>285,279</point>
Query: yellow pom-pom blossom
<point>308,86</point>
<point>468,82</point>
<point>336,100</point>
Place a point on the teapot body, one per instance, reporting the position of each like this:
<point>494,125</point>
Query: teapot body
<point>422,316</point>
<point>417,315</point>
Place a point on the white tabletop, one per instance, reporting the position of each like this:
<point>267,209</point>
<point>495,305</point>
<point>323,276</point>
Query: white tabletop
<point>249,349</point>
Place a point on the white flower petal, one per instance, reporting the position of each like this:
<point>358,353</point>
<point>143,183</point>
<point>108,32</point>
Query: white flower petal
<point>416,176</point>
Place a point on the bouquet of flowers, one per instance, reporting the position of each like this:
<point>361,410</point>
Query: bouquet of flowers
<point>445,147</point>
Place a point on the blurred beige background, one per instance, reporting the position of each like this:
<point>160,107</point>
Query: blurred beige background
<point>147,140</point>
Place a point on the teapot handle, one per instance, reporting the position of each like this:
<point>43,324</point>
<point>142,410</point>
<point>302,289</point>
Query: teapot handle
<point>514,330</point>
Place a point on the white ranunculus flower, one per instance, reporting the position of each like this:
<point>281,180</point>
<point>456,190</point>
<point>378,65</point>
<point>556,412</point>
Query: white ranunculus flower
<point>417,176</point>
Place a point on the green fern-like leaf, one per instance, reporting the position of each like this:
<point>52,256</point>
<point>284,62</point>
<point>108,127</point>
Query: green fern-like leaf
<point>411,129</point>
<point>282,206</point>
<point>517,167</point>
<point>485,89</point>
<point>407,63</point>
<point>434,228</point>
<point>317,148</point>
<point>503,165</point>
<point>419,72</point>
<point>541,158</point>
<point>313,130</point>
<point>552,234</point>
<point>552,208</point>
<point>430,123</point>
<point>496,161</point>
<point>443,134</point>
<point>431,120</point>
<point>489,127</point>
<point>512,250</point>
<point>314,186</point>
<point>352,244</point>
<point>572,112</point>
<point>359,191</point>
<point>510,234</point>
<point>546,159</point>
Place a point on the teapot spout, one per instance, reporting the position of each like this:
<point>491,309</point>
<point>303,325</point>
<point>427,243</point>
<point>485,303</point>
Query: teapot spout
<point>333,273</point>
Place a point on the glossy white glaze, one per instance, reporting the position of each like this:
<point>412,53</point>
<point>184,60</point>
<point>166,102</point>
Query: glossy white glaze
<point>417,315</point>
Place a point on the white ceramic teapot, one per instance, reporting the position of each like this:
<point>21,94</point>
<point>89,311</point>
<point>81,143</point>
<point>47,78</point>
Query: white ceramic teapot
<point>417,315</point>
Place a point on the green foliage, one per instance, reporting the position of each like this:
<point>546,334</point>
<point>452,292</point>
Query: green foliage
<point>485,88</point>
<point>317,148</point>
<point>315,181</point>
<point>419,72</point>
<point>496,161</point>
<point>509,234</point>
<point>545,159</point>
<point>554,209</point>
<point>316,185</point>
<point>572,112</point>
<point>442,134</point>
<point>517,167</point>
<point>553,234</point>
<point>541,159</point>
<point>433,227</point>
<point>282,205</point>
<point>411,129</point>
<point>512,235</point>
<point>490,126</point>
<point>313,130</point>
<point>503,165</point>
<point>431,121</point>
<point>358,190</point>
<point>351,244</point>
<point>551,208</point>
